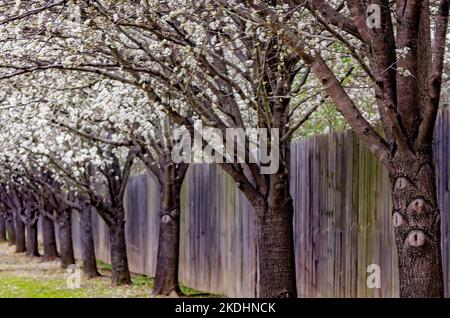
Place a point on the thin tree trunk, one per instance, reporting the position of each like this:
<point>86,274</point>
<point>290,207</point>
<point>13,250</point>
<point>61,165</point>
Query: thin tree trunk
<point>32,240</point>
<point>10,230</point>
<point>166,278</point>
<point>65,239</point>
<point>87,244</point>
<point>2,229</point>
<point>417,224</point>
<point>20,233</point>
<point>49,238</point>
<point>119,260</point>
<point>275,242</point>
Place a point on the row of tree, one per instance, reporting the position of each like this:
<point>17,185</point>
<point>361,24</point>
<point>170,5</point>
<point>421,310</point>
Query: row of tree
<point>89,87</point>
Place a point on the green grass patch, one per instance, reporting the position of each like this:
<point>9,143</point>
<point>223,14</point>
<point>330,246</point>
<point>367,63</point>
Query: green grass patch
<point>103,266</point>
<point>142,281</point>
<point>24,287</point>
<point>25,277</point>
<point>145,281</point>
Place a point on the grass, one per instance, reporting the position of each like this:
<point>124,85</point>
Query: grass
<point>191,292</point>
<point>143,280</point>
<point>26,277</point>
<point>20,287</point>
<point>103,266</point>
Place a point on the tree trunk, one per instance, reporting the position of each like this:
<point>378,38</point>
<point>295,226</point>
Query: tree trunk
<point>10,230</point>
<point>87,244</point>
<point>65,239</point>
<point>20,233</point>
<point>417,224</point>
<point>2,229</point>
<point>166,278</point>
<point>49,238</point>
<point>32,240</point>
<point>119,260</point>
<point>275,242</point>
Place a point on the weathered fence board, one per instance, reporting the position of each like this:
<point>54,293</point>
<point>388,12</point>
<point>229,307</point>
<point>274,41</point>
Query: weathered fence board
<point>342,222</point>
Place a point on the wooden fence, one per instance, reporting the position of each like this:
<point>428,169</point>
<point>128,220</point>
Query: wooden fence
<point>342,222</point>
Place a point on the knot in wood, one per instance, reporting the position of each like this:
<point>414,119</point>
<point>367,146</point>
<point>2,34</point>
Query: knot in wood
<point>398,219</point>
<point>416,238</point>
<point>401,183</point>
<point>279,185</point>
<point>166,218</point>
<point>417,206</point>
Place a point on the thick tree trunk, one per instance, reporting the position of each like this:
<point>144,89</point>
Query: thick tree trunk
<point>49,238</point>
<point>20,233</point>
<point>32,240</point>
<point>417,224</point>
<point>119,260</point>
<point>10,230</point>
<point>275,242</point>
<point>166,278</point>
<point>2,229</point>
<point>65,239</point>
<point>87,244</point>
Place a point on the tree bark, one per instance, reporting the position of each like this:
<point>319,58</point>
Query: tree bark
<point>32,240</point>
<point>119,260</point>
<point>10,230</point>
<point>65,239</point>
<point>417,224</point>
<point>275,242</point>
<point>2,229</point>
<point>87,244</point>
<point>166,277</point>
<point>49,238</point>
<point>20,233</point>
